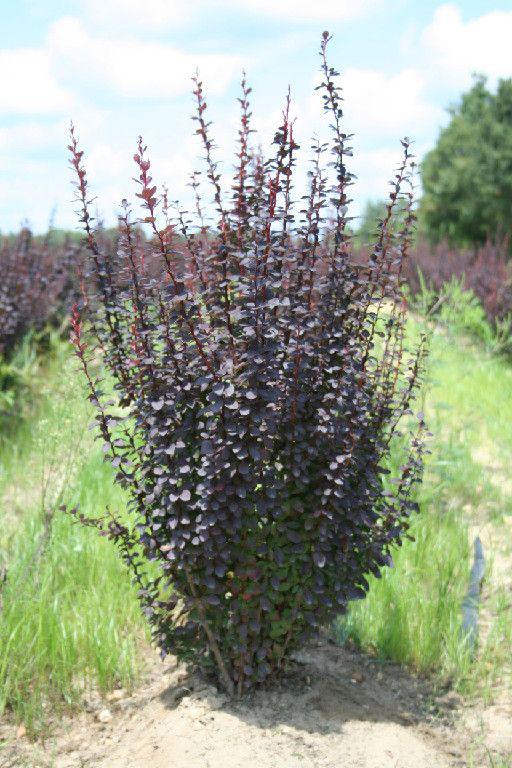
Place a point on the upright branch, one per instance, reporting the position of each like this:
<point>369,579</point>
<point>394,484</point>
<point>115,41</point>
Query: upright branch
<point>332,99</point>
<point>240,190</point>
<point>203,130</point>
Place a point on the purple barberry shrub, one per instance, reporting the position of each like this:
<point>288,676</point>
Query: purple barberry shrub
<point>37,284</point>
<point>260,378</point>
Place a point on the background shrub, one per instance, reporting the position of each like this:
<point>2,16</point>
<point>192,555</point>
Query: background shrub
<point>37,284</point>
<point>486,271</point>
<point>258,390</point>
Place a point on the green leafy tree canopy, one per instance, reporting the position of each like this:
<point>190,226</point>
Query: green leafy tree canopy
<point>467,177</point>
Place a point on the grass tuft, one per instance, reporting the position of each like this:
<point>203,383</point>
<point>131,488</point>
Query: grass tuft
<point>412,615</point>
<point>70,618</point>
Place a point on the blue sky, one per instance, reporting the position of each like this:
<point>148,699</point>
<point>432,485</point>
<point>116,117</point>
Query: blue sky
<point>122,67</point>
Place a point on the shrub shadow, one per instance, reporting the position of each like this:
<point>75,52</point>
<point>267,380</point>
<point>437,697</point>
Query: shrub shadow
<point>325,686</point>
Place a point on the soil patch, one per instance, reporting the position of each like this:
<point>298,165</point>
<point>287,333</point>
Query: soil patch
<point>334,707</point>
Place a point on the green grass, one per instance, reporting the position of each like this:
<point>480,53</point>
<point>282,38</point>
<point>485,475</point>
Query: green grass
<point>70,618</point>
<point>412,614</point>
<point>492,761</point>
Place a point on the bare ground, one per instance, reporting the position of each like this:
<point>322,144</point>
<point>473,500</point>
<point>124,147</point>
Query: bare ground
<point>335,708</point>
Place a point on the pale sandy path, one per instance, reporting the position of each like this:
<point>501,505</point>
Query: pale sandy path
<point>335,709</point>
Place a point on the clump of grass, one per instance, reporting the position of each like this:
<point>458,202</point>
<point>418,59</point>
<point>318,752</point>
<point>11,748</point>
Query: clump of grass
<point>492,668</point>
<point>69,617</point>
<point>412,615</point>
<point>68,622</point>
<point>491,760</point>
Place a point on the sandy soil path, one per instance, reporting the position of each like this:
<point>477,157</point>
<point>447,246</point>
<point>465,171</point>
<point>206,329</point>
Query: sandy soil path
<point>334,709</point>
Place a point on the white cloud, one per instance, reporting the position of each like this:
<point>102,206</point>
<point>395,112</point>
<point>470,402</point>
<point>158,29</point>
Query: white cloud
<point>30,190</point>
<point>394,105</point>
<point>140,14</point>
<point>30,136</point>
<point>377,106</point>
<point>29,85</point>
<point>460,48</point>
<point>307,10</point>
<point>159,15</point>
<point>106,162</point>
<point>132,67</point>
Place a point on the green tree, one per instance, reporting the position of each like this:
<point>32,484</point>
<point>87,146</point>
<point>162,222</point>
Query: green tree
<point>467,177</point>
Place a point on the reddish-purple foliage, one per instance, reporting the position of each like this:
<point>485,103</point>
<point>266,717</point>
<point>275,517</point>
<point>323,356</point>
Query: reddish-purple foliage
<point>487,271</point>
<point>263,379</point>
<point>37,284</point>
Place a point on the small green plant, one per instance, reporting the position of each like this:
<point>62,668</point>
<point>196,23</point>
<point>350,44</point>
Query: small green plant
<point>461,312</point>
<point>15,377</point>
<point>19,384</point>
<point>502,342</point>
<point>486,271</point>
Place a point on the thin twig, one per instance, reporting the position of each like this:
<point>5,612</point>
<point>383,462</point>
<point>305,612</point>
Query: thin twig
<point>228,683</point>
